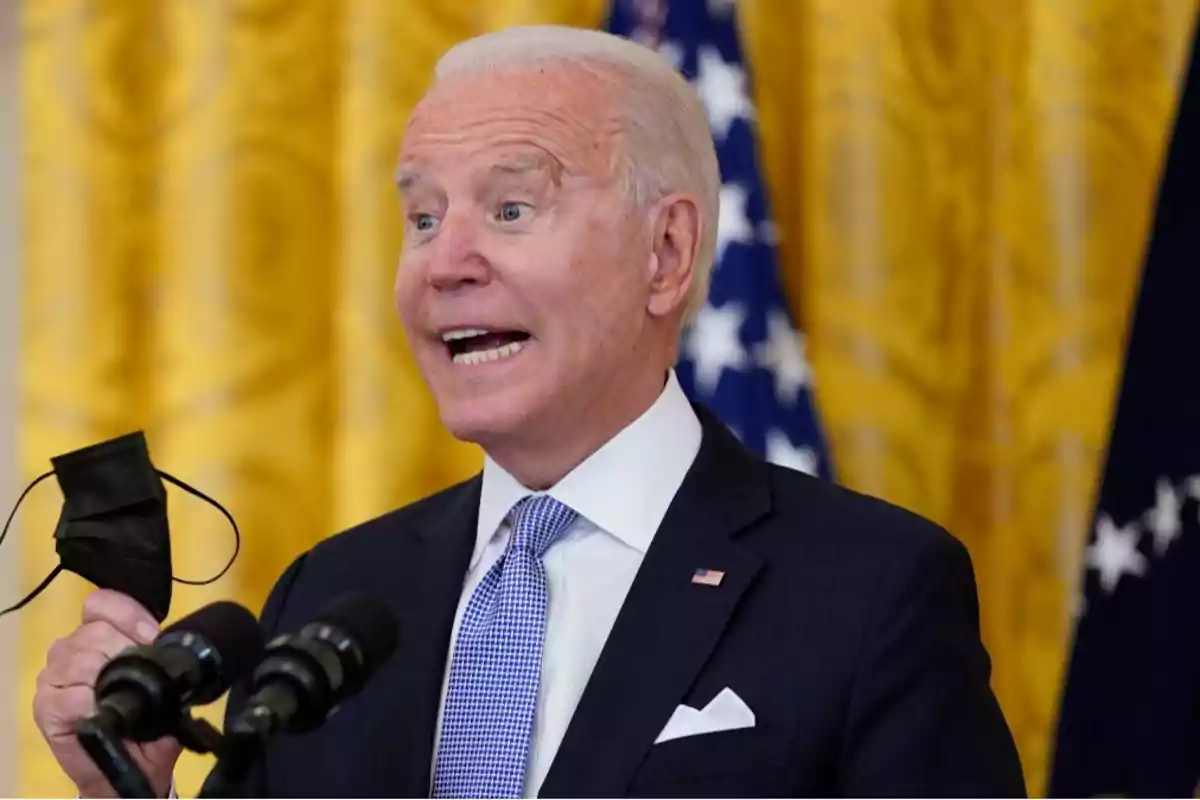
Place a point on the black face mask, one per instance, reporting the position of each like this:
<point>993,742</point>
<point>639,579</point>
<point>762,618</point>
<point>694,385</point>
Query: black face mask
<point>113,527</point>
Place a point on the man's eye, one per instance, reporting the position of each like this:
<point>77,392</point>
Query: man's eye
<point>511,212</point>
<point>424,222</point>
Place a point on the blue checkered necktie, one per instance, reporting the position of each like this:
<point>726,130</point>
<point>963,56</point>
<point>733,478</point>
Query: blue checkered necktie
<point>487,722</point>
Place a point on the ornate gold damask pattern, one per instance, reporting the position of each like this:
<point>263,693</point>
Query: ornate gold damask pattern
<point>962,189</point>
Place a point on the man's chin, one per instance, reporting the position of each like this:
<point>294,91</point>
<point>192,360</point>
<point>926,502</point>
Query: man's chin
<point>482,425</point>
<point>496,412</point>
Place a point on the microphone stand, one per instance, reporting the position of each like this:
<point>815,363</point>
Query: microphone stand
<point>109,753</point>
<point>98,735</point>
<point>246,741</point>
<point>242,749</point>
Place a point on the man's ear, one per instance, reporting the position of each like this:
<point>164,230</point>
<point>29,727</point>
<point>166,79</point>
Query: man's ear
<point>677,230</point>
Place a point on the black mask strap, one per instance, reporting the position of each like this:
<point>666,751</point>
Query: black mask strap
<point>237,535</point>
<point>4,533</point>
<point>27,599</point>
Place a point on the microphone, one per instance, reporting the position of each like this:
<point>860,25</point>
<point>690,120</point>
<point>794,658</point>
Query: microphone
<point>301,680</point>
<point>143,693</point>
<point>304,677</point>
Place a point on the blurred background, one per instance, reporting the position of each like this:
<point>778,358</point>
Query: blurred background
<point>198,228</point>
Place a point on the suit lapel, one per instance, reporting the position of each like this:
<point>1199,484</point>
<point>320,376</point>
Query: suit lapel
<point>668,625</point>
<point>429,617</point>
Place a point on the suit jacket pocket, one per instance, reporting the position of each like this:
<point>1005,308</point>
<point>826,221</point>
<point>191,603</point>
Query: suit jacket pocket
<point>747,761</point>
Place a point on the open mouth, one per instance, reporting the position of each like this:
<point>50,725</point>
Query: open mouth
<point>479,346</point>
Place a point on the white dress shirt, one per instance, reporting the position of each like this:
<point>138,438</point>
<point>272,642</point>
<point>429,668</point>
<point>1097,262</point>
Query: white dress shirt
<point>621,493</point>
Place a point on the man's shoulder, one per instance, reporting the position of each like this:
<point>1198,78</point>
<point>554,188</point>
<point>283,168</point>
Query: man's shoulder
<point>377,555</point>
<point>420,518</point>
<point>860,559</point>
<point>851,525</point>
<point>812,522</point>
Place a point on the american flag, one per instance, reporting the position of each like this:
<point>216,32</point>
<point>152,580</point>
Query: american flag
<point>1129,723</point>
<point>708,577</point>
<point>742,356</point>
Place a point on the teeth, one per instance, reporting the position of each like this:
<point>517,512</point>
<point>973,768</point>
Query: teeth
<point>495,354</point>
<point>463,333</point>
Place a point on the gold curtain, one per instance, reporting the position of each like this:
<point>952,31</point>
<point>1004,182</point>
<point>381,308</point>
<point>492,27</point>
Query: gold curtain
<point>962,186</point>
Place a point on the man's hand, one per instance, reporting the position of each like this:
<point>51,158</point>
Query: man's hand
<point>65,687</point>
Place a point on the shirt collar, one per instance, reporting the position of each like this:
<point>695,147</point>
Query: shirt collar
<point>624,488</point>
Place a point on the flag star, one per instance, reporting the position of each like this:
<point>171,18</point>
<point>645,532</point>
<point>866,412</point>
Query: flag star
<point>733,223</point>
<point>1163,520</point>
<point>781,451</point>
<point>1115,553</point>
<point>714,343</point>
<point>722,88</point>
<point>720,7</point>
<point>783,354</point>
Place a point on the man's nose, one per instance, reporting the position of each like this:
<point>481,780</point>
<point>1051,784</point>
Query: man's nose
<point>457,259</point>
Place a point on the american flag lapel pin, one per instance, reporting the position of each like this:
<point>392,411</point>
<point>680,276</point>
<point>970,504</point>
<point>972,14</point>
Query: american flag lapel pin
<point>708,577</point>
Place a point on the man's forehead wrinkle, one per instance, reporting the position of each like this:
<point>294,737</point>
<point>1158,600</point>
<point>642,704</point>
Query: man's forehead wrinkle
<point>580,127</point>
<point>542,122</point>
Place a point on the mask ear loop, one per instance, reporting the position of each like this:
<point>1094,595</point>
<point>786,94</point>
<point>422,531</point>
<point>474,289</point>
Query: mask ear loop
<point>237,536</point>
<point>3,533</point>
<point>27,599</point>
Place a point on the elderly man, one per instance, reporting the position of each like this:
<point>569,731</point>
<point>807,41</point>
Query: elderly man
<point>625,601</point>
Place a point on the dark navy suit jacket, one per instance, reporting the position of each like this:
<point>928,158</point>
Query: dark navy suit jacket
<point>849,626</point>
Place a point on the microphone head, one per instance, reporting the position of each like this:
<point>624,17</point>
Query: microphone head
<point>368,622</point>
<point>227,640</point>
<point>323,664</point>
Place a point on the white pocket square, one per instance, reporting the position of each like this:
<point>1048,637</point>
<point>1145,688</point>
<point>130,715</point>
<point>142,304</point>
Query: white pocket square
<point>725,712</point>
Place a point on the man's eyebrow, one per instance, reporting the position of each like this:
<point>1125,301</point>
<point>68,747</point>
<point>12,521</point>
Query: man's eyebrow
<point>406,177</point>
<point>527,163</point>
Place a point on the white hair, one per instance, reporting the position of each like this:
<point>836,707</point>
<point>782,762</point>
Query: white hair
<point>670,146</point>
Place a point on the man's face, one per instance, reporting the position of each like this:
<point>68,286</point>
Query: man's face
<point>525,274</point>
